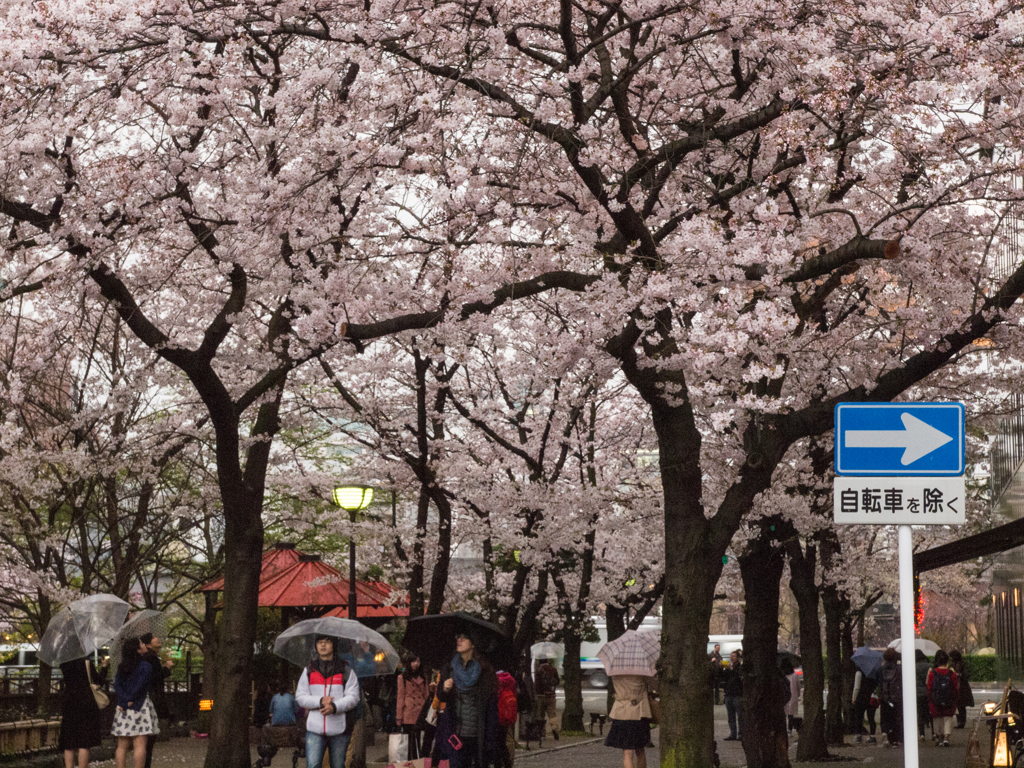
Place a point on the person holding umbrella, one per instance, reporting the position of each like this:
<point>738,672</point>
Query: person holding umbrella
<point>467,728</point>
<point>135,718</point>
<point>77,631</point>
<point>630,662</point>
<point>328,689</point>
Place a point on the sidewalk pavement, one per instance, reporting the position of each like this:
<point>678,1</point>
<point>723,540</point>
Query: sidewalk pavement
<point>589,752</point>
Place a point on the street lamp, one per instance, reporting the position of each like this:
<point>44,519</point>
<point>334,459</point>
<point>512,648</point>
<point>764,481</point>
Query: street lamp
<point>352,498</point>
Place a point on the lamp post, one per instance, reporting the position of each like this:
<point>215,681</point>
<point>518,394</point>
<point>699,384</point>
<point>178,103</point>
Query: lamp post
<point>352,498</point>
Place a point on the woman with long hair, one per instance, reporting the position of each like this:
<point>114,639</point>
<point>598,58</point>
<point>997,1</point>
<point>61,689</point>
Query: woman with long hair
<point>467,728</point>
<point>81,722</point>
<point>412,694</point>
<point>135,717</point>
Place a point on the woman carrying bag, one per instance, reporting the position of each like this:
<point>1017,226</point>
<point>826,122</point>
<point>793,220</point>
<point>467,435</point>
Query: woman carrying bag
<point>81,720</point>
<point>412,695</point>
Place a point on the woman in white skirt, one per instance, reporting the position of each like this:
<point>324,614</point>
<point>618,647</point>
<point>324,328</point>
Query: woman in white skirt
<point>135,718</point>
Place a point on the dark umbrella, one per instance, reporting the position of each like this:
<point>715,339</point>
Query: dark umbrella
<point>432,638</point>
<point>868,661</point>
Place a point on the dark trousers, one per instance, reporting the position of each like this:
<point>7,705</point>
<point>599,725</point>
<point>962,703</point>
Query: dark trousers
<point>961,716</point>
<point>892,723</point>
<point>414,741</point>
<point>923,715</point>
<point>734,710</point>
<point>150,743</point>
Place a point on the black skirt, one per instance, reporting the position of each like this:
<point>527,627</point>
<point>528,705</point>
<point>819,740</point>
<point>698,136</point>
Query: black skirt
<point>81,724</point>
<point>629,734</point>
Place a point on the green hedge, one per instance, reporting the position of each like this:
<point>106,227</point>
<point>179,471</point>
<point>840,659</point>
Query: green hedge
<point>989,668</point>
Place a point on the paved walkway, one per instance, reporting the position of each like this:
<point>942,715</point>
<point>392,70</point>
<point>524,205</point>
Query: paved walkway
<point>590,752</point>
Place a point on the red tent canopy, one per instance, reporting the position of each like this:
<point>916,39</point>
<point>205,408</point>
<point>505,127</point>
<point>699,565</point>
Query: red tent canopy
<point>292,579</point>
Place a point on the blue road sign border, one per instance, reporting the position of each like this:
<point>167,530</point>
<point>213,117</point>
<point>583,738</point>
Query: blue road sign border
<point>902,471</point>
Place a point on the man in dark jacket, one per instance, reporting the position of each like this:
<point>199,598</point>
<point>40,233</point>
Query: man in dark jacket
<point>546,686</point>
<point>149,647</point>
<point>732,687</point>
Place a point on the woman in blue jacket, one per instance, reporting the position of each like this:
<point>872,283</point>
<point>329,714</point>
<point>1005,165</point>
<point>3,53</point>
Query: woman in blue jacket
<point>135,718</point>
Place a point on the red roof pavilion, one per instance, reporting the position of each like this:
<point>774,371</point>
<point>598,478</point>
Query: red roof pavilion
<point>290,579</point>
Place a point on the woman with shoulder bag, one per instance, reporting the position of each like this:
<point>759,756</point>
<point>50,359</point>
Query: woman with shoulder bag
<point>81,720</point>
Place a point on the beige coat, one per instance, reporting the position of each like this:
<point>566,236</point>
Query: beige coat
<point>631,697</point>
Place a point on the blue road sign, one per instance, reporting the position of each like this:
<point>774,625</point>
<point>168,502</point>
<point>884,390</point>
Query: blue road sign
<point>902,439</point>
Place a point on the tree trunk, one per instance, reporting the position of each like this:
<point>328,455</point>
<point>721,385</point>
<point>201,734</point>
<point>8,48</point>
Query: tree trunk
<point>812,744</point>
<point>572,680</point>
<point>615,627</point>
<point>765,735</point>
<point>849,669</point>
<point>209,646</point>
<point>834,610</point>
<point>229,735</point>
<point>45,670</point>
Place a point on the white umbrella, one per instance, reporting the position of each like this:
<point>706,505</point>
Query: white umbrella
<point>633,653</point>
<point>81,628</point>
<point>547,650</point>
<point>368,652</point>
<point>927,646</point>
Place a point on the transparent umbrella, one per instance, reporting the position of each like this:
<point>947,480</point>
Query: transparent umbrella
<point>138,625</point>
<point>547,650</point>
<point>367,652</point>
<point>82,627</point>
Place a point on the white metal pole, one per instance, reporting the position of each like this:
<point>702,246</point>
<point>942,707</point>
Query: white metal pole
<point>906,551</point>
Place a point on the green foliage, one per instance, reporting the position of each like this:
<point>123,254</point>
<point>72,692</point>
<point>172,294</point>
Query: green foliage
<point>988,668</point>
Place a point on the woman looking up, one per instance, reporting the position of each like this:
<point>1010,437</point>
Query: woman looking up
<point>467,728</point>
<point>135,718</point>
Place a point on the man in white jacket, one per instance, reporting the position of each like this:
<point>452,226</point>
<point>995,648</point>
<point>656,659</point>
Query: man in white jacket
<point>328,689</point>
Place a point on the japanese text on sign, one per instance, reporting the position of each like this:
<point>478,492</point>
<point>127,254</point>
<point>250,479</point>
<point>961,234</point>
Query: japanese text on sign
<point>899,501</point>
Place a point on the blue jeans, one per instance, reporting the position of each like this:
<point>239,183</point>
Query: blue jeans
<point>317,744</point>
<point>734,711</point>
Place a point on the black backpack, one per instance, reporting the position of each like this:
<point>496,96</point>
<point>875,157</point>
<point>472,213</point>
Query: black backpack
<point>943,695</point>
<point>890,690</point>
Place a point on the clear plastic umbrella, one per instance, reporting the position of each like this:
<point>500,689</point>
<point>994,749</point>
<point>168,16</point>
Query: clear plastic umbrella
<point>547,650</point>
<point>367,652</point>
<point>82,627</point>
<point>138,625</point>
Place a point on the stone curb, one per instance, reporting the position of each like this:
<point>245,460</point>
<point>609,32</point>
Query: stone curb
<point>522,754</point>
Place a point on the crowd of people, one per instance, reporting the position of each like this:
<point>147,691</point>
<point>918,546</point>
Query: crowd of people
<point>139,703</point>
<point>942,688</point>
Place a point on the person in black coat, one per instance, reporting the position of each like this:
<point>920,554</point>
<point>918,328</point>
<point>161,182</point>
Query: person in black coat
<point>81,725</point>
<point>149,647</point>
<point>467,728</point>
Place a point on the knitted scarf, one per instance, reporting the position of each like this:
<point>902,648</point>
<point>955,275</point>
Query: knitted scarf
<point>465,677</point>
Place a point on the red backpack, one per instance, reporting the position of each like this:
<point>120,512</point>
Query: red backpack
<point>508,707</point>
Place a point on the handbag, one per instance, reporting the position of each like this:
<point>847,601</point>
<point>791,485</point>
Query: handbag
<point>102,700</point>
<point>655,708</point>
<point>398,747</point>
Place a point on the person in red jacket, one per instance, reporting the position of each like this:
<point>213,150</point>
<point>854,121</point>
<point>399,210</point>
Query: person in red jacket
<point>412,695</point>
<point>943,695</point>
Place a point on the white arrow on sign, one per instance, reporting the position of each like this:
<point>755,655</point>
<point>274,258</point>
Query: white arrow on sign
<point>918,438</point>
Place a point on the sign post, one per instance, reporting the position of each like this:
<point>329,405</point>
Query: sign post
<point>901,464</point>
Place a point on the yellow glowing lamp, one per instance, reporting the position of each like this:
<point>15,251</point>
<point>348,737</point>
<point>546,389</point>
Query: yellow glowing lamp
<point>205,705</point>
<point>379,657</point>
<point>1001,756</point>
<point>989,708</point>
<point>353,497</point>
